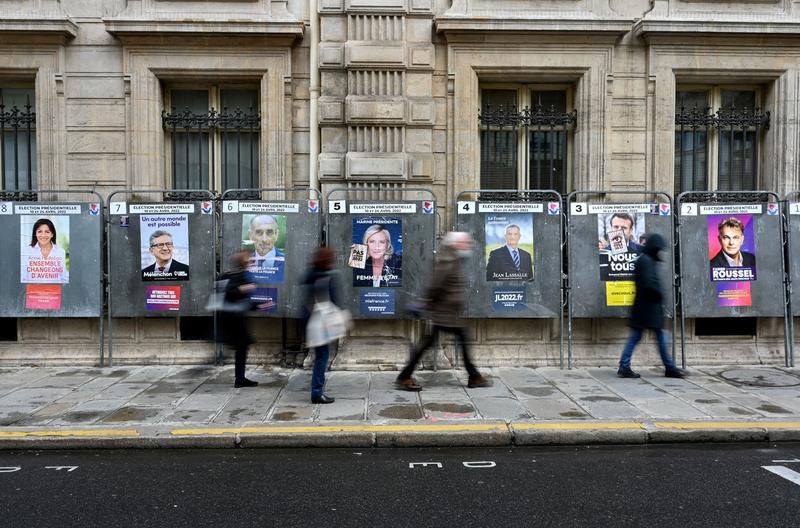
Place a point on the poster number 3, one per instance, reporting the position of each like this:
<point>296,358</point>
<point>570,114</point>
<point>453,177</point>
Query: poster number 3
<point>577,209</point>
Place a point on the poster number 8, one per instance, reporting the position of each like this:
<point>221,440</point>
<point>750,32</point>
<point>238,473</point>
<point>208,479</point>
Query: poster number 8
<point>5,208</point>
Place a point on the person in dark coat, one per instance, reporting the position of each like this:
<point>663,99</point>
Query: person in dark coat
<point>320,285</point>
<point>648,310</point>
<point>233,323</point>
<point>444,302</point>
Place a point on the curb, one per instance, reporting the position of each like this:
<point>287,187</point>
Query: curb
<point>364,435</point>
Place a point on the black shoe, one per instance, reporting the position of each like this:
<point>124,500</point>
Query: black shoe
<point>478,382</point>
<point>627,373</point>
<point>322,399</point>
<point>675,373</point>
<point>244,382</point>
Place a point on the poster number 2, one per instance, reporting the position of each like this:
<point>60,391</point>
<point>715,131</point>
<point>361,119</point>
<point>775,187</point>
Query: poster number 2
<point>689,209</point>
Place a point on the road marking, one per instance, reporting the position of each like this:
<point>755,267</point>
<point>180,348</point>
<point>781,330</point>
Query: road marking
<point>88,432</point>
<point>786,461</point>
<point>788,474</point>
<point>69,469</point>
<point>727,425</point>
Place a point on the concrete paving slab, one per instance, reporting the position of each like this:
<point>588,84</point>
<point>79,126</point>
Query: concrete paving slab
<point>343,410</point>
<point>133,414</point>
<point>448,410</point>
<point>33,397</point>
<point>291,413</point>
<point>347,384</point>
<point>395,412</point>
<point>150,373</point>
<point>204,402</point>
<point>506,409</point>
<point>555,409</point>
<point>121,390</point>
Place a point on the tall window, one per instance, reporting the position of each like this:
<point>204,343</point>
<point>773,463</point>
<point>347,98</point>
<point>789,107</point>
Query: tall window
<point>18,139</point>
<point>213,137</point>
<point>525,134</point>
<point>718,131</point>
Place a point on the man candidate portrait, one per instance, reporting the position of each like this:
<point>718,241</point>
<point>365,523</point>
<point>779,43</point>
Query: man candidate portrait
<point>510,262</point>
<point>626,223</point>
<point>731,239</point>
<point>165,267</point>
<point>266,258</point>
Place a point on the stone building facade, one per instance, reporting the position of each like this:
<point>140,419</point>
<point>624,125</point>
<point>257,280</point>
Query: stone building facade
<point>360,93</point>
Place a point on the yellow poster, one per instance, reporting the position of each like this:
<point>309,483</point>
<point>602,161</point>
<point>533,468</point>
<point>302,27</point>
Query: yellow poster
<point>620,293</point>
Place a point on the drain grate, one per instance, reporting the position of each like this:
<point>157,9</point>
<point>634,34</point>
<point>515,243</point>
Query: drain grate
<point>760,377</point>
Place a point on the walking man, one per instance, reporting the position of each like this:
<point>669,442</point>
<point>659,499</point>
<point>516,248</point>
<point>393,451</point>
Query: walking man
<point>648,310</point>
<point>445,301</point>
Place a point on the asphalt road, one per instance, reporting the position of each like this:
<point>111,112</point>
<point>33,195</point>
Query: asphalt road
<point>705,485</point>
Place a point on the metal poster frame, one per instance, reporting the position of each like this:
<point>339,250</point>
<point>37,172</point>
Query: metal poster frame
<point>568,211</point>
<point>247,194</point>
<point>524,196</point>
<point>381,193</point>
<point>738,198</point>
<point>167,195</point>
<point>789,198</point>
<point>36,197</point>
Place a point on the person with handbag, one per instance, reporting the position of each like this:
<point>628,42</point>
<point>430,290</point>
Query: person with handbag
<point>326,322</point>
<point>233,324</point>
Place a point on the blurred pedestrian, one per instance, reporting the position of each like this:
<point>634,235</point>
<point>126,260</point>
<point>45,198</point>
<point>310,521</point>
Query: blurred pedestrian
<point>444,301</point>
<point>320,283</point>
<point>233,323</point>
<point>648,309</point>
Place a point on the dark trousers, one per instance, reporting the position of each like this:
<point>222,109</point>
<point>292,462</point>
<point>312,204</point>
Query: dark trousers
<point>241,361</point>
<point>321,354</point>
<point>426,342</point>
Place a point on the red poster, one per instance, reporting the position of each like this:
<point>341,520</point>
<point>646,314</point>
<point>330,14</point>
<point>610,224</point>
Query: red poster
<point>42,296</point>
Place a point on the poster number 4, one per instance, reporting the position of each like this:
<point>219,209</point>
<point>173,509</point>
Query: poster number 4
<point>689,209</point>
<point>466,208</point>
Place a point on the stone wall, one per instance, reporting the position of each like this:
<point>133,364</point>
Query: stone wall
<point>400,83</point>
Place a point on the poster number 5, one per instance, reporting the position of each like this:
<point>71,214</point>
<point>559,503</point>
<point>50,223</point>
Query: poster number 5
<point>336,206</point>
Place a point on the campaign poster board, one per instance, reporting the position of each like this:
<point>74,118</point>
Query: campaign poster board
<point>280,237</point>
<point>384,254</point>
<point>52,258</point>
<point>605,241</point>
<point>516,268</point>
<point>793,218</point>
<point>731,260</point>
<point>161,261</point>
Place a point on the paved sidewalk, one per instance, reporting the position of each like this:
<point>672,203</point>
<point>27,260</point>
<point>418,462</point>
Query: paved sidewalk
<point>153,406</point>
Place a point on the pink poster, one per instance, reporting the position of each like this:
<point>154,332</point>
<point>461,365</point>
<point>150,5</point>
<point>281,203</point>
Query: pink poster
<point>43,297</point>
<point>163,298</point>
<point>732,258</point>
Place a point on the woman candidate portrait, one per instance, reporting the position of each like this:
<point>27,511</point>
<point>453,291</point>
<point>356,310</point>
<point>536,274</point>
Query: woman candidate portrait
<point>383,267</point>
<point>43,260</point>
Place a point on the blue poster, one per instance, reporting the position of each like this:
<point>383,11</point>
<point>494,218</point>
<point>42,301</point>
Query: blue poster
<point>508,299</point>
<point>266,299</point>
<point>264,236</point>
<point>377,302</point>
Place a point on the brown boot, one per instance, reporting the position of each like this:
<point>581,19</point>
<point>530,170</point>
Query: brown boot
<point>407,384</point>
<point>478,382</point>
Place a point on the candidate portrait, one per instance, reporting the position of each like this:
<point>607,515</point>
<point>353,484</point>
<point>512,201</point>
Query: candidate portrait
<point>510,262</point>
<point>164,266</point>
<point>731,239</point>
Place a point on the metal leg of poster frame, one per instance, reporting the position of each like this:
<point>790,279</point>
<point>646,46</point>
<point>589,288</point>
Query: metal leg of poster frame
<point>569,332</point>
<point>102,337</point>
<point>284,348</point>
<point>429,328</point>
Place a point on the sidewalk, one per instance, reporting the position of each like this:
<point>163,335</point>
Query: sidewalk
<point>197,406</point>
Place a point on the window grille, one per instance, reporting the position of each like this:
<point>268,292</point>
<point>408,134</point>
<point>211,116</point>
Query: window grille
<point>18,141</point>
<point>203,142</point>
<point>543,129</point>
<point>718,150</point>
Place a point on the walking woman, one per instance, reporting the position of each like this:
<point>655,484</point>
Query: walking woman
<point>233,322</point>
<point>320,283</point>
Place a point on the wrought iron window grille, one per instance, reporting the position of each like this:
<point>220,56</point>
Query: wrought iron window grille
<point>538,117</point>
<point>229,124</point>
<point>17,121</point>
<point>725,118</point>
<point>692,126</point>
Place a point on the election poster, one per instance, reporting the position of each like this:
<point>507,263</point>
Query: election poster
<point>732,257</point>
<point>264,236</point>
<point>376,254</point>
<point>509,248</point>
<point>44,249</point>
<point>620,238</point>
<point>164,247</point>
